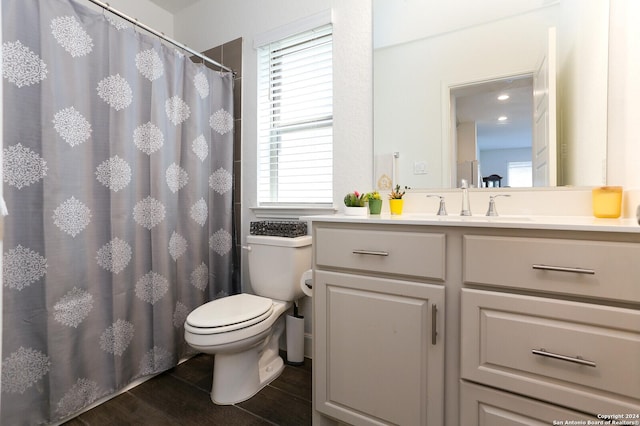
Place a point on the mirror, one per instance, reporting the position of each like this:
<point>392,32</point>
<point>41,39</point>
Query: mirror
<point>426,51</point>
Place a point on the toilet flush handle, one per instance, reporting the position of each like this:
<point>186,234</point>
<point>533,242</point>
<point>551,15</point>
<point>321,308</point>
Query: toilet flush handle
<point>247,248</point>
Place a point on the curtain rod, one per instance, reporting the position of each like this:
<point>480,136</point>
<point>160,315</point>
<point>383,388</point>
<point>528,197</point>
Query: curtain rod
<point>135,22</point>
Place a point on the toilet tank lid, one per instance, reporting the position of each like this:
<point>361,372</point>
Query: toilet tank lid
<point>302,241</point>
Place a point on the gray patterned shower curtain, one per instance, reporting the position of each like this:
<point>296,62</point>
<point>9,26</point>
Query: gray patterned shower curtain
<point>117,167</point>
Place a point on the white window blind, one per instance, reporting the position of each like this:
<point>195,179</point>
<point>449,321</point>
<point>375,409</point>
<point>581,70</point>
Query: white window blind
<point>295,120</point>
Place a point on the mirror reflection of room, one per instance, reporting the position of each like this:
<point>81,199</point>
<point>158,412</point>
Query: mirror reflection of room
<point>425,49</point>
<point>494,132</point>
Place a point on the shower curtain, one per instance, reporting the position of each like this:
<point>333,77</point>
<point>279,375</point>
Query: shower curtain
<point>117,168</point>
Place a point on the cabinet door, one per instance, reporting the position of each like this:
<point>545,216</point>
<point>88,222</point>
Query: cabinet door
<point>378,350</point>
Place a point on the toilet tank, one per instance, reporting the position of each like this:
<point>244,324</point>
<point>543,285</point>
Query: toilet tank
<point>276,265</point>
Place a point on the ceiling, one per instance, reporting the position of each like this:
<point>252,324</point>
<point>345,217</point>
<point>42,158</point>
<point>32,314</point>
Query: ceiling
<point>174,6</point>
<point>478,103</point>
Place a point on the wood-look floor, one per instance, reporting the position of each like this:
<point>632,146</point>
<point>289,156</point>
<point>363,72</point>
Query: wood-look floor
<point>180,396</point>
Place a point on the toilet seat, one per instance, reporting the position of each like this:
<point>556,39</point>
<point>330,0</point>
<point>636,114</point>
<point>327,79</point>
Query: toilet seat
<point>229,314</point>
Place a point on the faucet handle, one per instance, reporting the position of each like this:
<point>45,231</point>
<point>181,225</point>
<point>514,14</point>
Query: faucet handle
<point>492,204</point>
<point>442,210</point>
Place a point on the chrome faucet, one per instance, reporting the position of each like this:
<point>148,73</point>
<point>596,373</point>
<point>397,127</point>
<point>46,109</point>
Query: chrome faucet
<point>492,204</point>
<point>442,210</point>
<point>466,209</point>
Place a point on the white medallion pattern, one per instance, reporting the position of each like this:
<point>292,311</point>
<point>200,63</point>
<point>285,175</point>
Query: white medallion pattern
<point>202,84</point>
<point>200,147</point>
<point>200,277</point>
<point>80,395</point>
<point>177,110</point>
<point>180,314</point>
<point>148,212</point>
<point>148,138</point>
<point>221,121</point>
<point>221,294</point>
<point>114,256</point>
<point>114,173</point>
<point>117,23</point>
<point>149,64</point>
<point>69,34</point>
<point>116,338</point>
<point>21,66</point>
<point>115,91</point>
<point>176,177</point>
<point>177,245</point>
<point>221,181</point>
<point>220,242</point>
<point>73,307</point>
<point>151,287</point>
<point>156,360</point>
<point>72,216</point>
<point>21,166</point>
<point>72,126</point>
<point>22,369</point>
<point>22,267</point>
<point>200,212</point>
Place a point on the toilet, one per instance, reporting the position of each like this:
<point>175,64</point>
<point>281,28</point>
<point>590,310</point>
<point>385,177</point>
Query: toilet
<point>243,330</point>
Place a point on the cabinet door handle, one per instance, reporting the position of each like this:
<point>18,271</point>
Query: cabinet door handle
<point>434,319</point>
<point>576,360</point>
<point>564,269</point>
<point>371,252</point>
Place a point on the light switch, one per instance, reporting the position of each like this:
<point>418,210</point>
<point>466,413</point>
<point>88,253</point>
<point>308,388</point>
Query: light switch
<point>420,168</point>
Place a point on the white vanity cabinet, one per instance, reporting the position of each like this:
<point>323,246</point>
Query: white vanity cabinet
<point>379,324</point>
<point>540,323</point>
<point>554,321</point>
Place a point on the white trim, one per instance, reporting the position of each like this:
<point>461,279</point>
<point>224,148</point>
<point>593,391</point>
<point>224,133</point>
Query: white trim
<point>305,24</point>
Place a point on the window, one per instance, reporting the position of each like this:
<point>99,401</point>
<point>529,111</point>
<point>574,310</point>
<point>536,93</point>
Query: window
<point>295,120</point>
<point>519,174</point>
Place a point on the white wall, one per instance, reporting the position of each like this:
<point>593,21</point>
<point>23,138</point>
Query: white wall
<point>624,96</point>
<point>146,12</point>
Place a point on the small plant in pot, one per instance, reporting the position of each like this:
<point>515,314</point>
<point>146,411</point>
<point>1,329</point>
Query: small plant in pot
<point>355,204</point>
<point>375,202</point>
<point>395,200</point>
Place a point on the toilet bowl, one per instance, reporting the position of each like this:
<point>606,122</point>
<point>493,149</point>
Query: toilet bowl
<point>243,330</point>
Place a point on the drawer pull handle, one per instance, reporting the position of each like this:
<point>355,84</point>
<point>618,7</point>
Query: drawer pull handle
<point>434,328</point>
<point>576,360</point>
<point>564,269</point>
<point>371,252</point>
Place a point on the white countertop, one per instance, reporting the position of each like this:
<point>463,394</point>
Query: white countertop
<point>565,223</point>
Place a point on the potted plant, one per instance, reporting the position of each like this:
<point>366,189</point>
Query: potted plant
<point>355,204</point>
<point>395,200</point>
<point>375,202</point>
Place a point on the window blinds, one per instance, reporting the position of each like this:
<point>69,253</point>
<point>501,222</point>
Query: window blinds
<point>295,119</point>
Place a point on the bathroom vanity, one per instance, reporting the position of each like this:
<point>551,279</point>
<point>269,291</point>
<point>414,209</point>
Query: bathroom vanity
<point>432,320</point>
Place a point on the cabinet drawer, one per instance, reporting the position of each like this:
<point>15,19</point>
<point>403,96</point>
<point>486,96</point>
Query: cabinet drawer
<point>578,355</point>
<point>484,406</point>
<point>403,253</point>
<point>598,269</point>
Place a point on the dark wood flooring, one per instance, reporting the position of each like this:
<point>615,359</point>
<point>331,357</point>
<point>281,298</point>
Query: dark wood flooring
<point>180,396</point>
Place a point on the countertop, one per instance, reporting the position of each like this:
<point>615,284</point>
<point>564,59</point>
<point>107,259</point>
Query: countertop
<point>565,223</point>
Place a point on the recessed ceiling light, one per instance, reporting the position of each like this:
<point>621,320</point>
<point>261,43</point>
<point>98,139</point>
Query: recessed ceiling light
<point>502,118</point>
<point>503,97</point>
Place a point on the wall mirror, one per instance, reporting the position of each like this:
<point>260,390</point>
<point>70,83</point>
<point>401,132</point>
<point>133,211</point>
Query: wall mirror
<point>436,64</point>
